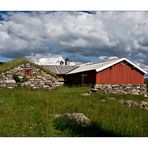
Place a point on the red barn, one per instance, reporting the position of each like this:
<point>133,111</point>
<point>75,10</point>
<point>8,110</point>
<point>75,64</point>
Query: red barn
<point>116,71</point>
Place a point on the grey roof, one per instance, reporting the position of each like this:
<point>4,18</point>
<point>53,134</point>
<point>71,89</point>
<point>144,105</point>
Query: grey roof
<point>60,69</point>
<point>103,65</point>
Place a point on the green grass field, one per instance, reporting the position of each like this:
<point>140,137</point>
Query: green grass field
<point>25,112</point>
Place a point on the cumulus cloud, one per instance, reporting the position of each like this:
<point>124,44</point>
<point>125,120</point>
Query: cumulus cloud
<point>79,35</point>
<point>55,60</point>
<point>48,59</point>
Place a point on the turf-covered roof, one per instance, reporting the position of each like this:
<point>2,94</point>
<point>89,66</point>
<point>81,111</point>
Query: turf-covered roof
<point>12,64</point>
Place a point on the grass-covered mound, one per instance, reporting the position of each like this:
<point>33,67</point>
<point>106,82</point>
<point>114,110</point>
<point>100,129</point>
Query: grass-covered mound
<point>31,113</point>
<point>12,64</point>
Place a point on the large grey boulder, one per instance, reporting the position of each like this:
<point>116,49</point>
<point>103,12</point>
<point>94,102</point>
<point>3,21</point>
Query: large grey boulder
<point>78,118</point>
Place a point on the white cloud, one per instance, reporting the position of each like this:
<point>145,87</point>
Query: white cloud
<point>75,33</point>
<point>54,60</point>
<point>48,59</point>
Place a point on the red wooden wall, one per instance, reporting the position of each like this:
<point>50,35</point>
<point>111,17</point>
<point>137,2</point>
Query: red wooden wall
<point>90,78</point>
<point>121,73</point>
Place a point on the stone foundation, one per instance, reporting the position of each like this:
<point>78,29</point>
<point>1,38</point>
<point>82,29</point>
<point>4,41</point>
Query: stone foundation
<point>136,89</point>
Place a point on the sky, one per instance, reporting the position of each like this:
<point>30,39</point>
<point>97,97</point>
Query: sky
<point>81,36</point>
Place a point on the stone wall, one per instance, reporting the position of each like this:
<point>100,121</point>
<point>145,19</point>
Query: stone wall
<point>37,79</point>
<point>136,89</point>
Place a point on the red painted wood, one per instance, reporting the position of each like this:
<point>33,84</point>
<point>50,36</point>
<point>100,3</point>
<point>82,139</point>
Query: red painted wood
<point>121,73</point>
<point>77,78</point>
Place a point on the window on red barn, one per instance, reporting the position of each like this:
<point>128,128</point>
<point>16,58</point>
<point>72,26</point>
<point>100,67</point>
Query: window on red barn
<point>27,72</point>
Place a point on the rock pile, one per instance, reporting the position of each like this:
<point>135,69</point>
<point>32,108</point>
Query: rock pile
<point>130,103</point>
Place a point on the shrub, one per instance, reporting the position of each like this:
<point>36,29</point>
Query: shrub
<point>16,78</point>
<point>19,80</point>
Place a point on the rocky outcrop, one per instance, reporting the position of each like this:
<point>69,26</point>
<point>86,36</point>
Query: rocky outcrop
<point>136,89</point>
<point>132,103</point>
<point>36,79</point>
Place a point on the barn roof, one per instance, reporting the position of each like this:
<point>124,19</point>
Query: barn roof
<point>59,69</point>
<point>103,65</point>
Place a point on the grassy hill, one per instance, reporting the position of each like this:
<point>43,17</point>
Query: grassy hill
<point>25,112</point>
<point>9,65</point>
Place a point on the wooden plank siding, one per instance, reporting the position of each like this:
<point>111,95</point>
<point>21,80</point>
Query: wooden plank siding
<point>89,78</point>
<point>121,73</point>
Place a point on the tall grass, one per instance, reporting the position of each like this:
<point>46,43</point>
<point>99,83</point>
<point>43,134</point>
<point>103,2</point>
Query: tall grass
<point>25,112</point>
